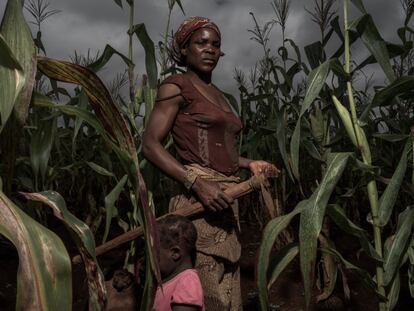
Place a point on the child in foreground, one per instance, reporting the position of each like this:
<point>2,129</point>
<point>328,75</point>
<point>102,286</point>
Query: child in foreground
<point>181,287</point>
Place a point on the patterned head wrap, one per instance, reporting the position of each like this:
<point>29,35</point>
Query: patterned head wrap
<point>184,32</point>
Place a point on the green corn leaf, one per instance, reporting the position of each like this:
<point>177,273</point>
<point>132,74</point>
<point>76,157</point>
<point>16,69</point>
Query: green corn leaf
<point>99,97</point>
<point>122,142</point>
<point>359,5</point>
<point>44,278</point>
<point>350,128</point>
<point>40,100</point>
<point>374,43</point>
<point>106,55</point>
<point>392,138</point>
<point>84,241</point>
<point>149,48</point>
<point>180,5</point>
<point>149,98</point>
<point>41,146</point>
<point>399,86</point>
<point>364,275</point>
<point>110,200</point>
<point>311,219</point>
<point>394,50</point>
<point>400,244</point>
<point>389,197</point>
<point>298,56</point>
<point>385,97</point>
<point>315,82</point>
<point>311,149</point>
<point>315,54</point>
<point>337,214</point>
<point>394,289</point>
<point>119,3</point>
<point>83,103</point>
<point>280,261</point>
<point>281,139</point>
<point>270,234</point>
<point>99,169</point>
<point>12,78</point>
<point>116,127</point>
<point>394,292</point>
<point>317,125</point>
<point>16,34</point>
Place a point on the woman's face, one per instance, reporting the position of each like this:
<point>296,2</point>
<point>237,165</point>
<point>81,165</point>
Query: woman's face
<point>203,50</point>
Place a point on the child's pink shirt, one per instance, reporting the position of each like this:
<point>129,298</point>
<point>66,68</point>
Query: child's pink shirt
<point>184,288</point>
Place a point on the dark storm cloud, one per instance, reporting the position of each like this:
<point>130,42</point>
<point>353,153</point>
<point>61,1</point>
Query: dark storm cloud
<point>89,25</point>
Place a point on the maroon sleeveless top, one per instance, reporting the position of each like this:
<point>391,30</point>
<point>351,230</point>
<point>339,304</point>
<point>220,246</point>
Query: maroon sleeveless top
<point>203,132</point>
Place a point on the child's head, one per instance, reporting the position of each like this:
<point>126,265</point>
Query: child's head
<point>178,237</point>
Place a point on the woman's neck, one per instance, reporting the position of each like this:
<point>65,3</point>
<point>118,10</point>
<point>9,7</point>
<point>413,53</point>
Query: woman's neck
<point>204,77</point>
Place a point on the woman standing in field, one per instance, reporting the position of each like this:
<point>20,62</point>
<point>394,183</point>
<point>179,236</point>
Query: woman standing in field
<point>205,130</point>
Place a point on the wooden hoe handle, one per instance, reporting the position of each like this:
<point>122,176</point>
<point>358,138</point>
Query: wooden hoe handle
<point>235,192</point>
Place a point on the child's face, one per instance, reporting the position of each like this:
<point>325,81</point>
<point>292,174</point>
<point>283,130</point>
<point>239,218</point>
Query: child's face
<point>168,260</point>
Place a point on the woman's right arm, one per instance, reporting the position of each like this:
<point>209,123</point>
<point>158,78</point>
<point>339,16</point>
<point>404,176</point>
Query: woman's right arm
<point>160,123</point>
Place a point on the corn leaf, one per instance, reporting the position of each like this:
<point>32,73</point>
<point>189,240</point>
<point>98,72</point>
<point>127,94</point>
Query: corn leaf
<point>394,292</point>
<point>150,59</point>
<point>18,37</point>
<point>281,139</point>
<point>41,146</point>
<point>311,219</point>
<point>399,86</point>
<point>12,78</point>
<point>121,142</point>
<point>392,138</point>
<point>119,3</point>
<point>315,82</point>
<point>400,244</point>
<point>389,197</point>
<point>337,214</point>
<point>351,129</point>
<point>374,43</point>
<point>280,261</point>
<point>180,5</point>
<point>360,5</point>
<point>82,102</point>
<point>363,274</point>
<point>106,55</point>
<point>270,234</point>
<point>99,97</point>
<point>44,276</point>
<point>110,200</point>
<point>84,241</point>
<point>99,169</point>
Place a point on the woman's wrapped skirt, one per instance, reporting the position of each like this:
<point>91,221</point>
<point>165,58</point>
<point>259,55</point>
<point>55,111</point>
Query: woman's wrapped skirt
<point>218,245</point>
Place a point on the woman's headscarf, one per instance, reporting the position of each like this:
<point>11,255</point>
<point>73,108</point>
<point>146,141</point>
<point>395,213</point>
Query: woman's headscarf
<point>184,32</point>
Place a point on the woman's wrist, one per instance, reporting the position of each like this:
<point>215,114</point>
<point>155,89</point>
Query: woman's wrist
<point>190,178</point>
<point>244,162</point>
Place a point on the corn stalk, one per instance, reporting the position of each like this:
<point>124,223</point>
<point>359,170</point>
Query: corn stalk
<point>359,139</point>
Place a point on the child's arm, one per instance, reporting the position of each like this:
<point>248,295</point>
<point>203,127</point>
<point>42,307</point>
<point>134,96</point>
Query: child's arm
<point>183,307</point>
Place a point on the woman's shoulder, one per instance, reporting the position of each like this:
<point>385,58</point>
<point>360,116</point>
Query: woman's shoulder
<point>177,79</point>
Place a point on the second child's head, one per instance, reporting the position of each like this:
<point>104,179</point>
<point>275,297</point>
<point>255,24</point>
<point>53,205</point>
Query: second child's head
<point>178,238</point>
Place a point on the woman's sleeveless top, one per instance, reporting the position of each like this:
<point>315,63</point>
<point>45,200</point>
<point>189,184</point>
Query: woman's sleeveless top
<point>203,132</point>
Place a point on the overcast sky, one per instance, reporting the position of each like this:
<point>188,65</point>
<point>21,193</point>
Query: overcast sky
<point>90,24</point>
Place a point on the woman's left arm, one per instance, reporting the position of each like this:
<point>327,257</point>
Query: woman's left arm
<point>257,167</point>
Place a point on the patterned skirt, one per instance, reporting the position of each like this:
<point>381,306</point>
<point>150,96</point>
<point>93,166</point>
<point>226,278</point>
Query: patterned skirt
<point>218,245</point>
